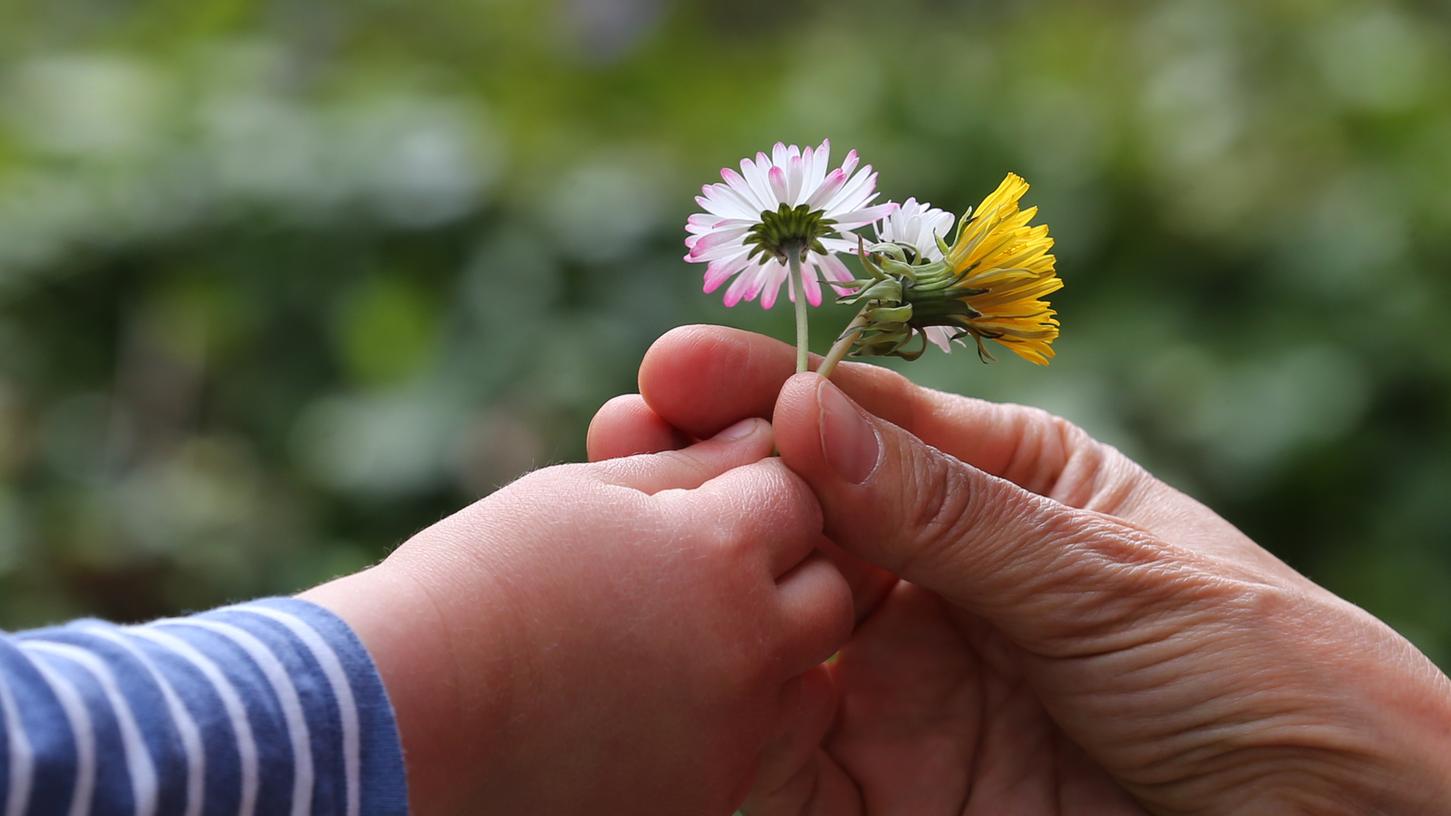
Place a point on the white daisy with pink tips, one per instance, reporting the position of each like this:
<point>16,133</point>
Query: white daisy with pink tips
<point>782,208</point>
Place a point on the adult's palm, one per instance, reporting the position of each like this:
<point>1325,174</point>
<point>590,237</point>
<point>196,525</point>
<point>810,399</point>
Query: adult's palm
<point>1067,635</point>
<point>932,717</point>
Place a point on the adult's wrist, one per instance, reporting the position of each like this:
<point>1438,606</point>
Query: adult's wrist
<point>1417,751</point>
<point>1395,754</point>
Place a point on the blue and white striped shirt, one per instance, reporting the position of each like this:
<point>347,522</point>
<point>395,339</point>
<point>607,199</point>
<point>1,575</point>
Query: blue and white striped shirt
<point>269,707</point>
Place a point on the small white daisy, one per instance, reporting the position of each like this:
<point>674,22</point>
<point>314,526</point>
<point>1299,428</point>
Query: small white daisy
<point>920,226</point>
<point>778,204</point>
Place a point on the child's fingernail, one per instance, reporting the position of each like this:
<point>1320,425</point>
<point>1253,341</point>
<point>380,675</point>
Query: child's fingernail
<point>848,440</point>
<point>740,430</point>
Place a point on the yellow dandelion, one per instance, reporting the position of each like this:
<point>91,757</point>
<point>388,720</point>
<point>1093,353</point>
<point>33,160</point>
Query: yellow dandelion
<point>1004,268</point>
<point>989,284</point>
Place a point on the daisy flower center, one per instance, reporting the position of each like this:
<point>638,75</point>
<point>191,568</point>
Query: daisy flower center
<point>788,231</point>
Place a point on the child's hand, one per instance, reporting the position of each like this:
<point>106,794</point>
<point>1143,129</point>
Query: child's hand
<point>608,638</point>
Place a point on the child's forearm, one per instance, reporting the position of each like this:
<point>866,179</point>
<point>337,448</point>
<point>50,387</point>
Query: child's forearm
<point>267,707</point>
<point>445,728</point>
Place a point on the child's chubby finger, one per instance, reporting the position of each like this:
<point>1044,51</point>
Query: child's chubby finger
<point>745,442</point>
<point>763,511</point>
<point>767,512</point>
<point>626,426</point>
<point>816,611</point>
<point>869,583</point>
<point>806,709</point>
<point>795,776</point>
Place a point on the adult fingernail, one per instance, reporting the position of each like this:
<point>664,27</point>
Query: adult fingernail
<point>740,430</point>
<point>848,440</point>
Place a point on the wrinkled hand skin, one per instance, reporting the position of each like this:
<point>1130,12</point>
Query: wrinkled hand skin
<point>1044,627</point>
<point>604,638</point>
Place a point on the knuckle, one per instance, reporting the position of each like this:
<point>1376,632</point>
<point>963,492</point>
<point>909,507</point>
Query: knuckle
<point>782,499</point>
<point>941,497</point>
<point>727,538</point>
<point>717,533</point>
<point>801,507</point>
<point>1054,457</point>
<point>683,462</point>
<point>1106,545</point>
<point>940,500</point>
<point>1254,605</point>
<point>1045,447</point>
<point>1117,583</point>
<point>1083,472</point>
<point>941,507</point>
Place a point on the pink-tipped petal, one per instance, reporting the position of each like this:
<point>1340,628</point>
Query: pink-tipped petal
<point>715,207</point>
<point>737,289</point>
<point>777,177</point>
<point>722,270</point>
<point>795,178</point>
<point>827,189</point>
<point>741,187</point>
<point>698,255</point>
<point>721,201</point>
<point>811,284</point>
<point>833,268</point>
<point>701,223</point>
<point>728,238</point>
<point>759,282</point>
<point>775,275</point>
<point>743,206</point>
<point>733,179</point>
<point>756,179</point>
<point>815,169</point>
<point>855,192</point>
<point>857,218</point>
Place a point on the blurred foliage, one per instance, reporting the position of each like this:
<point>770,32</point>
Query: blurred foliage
<point>281,283</point>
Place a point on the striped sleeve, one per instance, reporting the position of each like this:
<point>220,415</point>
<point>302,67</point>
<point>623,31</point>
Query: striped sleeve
<point>268,707</point>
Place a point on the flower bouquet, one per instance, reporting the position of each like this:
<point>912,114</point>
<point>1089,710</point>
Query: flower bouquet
<point>785,218</point>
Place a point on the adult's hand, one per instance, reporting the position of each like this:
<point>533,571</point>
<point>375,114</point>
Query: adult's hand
<point>1069,634</point>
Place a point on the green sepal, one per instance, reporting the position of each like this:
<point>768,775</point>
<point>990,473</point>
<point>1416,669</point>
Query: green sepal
<point>890,314</point>
<point>867,290</point>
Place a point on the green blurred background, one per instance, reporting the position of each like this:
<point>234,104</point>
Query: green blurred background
<point>281,283</point>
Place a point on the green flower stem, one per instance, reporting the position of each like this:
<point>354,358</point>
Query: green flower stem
<point>803,339</point>
<point>843,343</point>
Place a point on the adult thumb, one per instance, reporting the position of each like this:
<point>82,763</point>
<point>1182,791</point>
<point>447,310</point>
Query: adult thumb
<point>1037,568</point>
